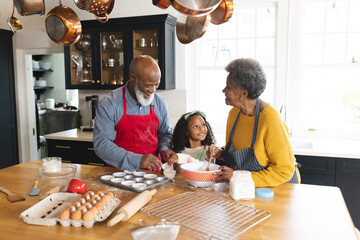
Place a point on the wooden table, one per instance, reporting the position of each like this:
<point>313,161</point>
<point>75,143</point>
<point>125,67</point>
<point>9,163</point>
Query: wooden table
<point>298,211</point>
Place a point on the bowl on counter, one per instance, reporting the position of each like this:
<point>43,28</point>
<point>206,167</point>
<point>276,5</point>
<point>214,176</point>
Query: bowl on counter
<point>195,174</point>
<point>61,177</point>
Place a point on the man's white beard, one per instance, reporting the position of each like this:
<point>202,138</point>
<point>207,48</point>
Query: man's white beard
<point>140,96</point>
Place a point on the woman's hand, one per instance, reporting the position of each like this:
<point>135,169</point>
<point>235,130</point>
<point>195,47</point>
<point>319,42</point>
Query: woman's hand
<point>224,175</point>
<point>216,152</point>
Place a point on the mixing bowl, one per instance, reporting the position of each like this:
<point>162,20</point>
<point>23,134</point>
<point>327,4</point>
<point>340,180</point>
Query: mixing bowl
<point>196,175</point>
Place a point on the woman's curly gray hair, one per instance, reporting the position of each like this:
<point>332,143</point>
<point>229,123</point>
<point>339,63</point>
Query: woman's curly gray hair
<point>247,74</point>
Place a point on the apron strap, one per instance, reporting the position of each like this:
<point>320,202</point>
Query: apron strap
<point>257,113</point>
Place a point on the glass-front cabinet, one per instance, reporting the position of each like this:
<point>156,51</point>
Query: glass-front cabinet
<point>101,58</point>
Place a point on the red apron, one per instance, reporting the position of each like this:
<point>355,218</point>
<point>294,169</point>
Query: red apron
<point>137,134</point>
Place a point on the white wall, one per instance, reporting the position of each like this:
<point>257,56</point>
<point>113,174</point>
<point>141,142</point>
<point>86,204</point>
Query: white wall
<point>33,39</point>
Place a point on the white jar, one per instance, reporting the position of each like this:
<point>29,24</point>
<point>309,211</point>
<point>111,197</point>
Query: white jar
<point>50,103</point>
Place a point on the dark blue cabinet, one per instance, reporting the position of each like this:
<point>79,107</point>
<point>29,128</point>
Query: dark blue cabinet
<point>8,123</point>
<point>341,172</point>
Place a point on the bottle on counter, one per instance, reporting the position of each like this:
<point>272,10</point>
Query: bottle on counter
<point>78,120</point>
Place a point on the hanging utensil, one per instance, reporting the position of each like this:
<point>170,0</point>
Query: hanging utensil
<point>163,4</point>
<point>12,197</point>
<point>34,191</point>
<point>195,7</point>
<point>83,4</point>
<point>101,9</point>
<point>63,25</point>
<point>13,22</point>
<point>30,7</point>
<point>189,28</point>
<point>223,12</point>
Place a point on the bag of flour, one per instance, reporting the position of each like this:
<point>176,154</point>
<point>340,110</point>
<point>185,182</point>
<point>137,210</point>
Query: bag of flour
<point>242,186</point>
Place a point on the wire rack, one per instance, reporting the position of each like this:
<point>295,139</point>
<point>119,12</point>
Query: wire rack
<point>214,217</point>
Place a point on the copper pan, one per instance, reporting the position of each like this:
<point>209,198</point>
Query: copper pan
<point>195,7</point>
<point>163,4</point>
<point>189,28</point>
<point>30,7</point>
<point>223,12</point>
<point>63,25</point>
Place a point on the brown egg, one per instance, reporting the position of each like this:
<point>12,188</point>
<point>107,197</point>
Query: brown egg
<point>65,215</point>
<point>92,201</point>
<point>110,194</point>
<point>94,210</point>
<point>81,201</point>
<point>96,197</point>
<point>100,193</point>
<point>103,202</point>
<point>106,199</point>
<point>88,205</point>
<point>89,216</point>
<point>99,206</point>
<point>76,215</point>
<point>82,209</point>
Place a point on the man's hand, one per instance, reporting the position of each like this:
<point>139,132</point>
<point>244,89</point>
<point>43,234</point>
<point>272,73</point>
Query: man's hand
<point>166,155</point>
<point>150,162</point>
<point>224,175</point>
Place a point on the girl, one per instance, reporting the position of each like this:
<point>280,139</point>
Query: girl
<point>192,137</point>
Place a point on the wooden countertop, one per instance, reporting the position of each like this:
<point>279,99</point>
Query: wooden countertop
<point>298,211</point>
<point>71,135</point>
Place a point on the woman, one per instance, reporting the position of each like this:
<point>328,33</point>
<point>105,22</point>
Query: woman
<point>257,137</point>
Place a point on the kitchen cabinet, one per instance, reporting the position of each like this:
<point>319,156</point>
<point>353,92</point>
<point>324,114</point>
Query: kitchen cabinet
<point>80,152</point>
<point>8,124</point>
<point>317,170</point>
<point>101,58</point>
<point>348,179</point>
<point>340,172</point>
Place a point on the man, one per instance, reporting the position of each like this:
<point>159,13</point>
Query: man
<point>132,124</point>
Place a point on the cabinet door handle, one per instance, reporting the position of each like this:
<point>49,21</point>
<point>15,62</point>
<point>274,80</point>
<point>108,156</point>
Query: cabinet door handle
<point>91,149</point>
<point>96,164</point>
<point>59,146</point>
<point>66,161</point>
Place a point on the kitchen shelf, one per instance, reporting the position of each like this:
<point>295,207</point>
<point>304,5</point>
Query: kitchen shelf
<point>40,90</point>
<point>38,73</point>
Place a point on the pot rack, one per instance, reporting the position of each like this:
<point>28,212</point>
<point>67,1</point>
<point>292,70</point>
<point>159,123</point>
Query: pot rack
<point>194,15</point>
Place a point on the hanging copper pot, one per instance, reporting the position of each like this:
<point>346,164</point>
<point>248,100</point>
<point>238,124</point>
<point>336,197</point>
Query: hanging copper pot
<point>223,12</point>
<point>101,9</point>
<point>163,4</point>
<point>30,7</point>
<point>189,28</point>
<point>63,25</point>
<point>195,7</point>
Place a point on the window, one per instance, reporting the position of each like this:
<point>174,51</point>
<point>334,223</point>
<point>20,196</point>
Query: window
<point>311,58</point>
<point>250,33</point>
<point>329,99</point>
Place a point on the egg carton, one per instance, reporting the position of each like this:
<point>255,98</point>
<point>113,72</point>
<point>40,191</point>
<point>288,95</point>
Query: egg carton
<point>47,211</point>
<point>136,181</point>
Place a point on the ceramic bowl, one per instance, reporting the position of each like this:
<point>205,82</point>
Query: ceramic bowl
<point>196,175</point>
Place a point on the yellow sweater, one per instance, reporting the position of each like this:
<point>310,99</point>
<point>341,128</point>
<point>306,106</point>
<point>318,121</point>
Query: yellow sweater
<point>272,146</point>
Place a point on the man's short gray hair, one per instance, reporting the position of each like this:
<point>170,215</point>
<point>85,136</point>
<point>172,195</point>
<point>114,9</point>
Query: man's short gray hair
<point>247,74</point>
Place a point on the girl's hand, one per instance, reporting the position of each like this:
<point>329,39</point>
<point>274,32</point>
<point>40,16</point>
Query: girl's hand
<point>173,159</point>
<point>167,154</point>
<point>224,175</point>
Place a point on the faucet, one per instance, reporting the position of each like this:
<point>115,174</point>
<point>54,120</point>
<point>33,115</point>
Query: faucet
<point>283,109</point>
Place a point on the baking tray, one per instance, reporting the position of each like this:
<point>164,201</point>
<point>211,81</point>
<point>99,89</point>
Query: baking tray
<point>140,180</point>
<point>47,211</point>
<point>207,215</point>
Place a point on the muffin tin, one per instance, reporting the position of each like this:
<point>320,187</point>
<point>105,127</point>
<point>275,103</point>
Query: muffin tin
<point>134,181</point>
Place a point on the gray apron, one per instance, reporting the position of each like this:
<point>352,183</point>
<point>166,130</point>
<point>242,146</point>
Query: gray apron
<point>245,159</point>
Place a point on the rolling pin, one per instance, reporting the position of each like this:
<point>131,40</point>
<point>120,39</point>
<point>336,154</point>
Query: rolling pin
<point>129,209</point>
